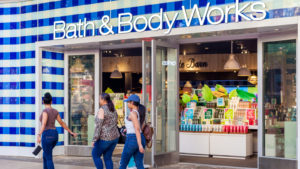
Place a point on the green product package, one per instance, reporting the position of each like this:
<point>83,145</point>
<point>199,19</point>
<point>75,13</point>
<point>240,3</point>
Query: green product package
<point>207,94</point>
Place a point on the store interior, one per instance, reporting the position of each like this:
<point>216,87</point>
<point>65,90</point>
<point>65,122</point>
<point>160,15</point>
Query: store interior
<point>214,101</point>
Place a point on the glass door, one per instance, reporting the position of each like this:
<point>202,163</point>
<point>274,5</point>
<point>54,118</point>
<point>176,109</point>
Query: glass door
<point>165,102</point>
<point>147,91</point>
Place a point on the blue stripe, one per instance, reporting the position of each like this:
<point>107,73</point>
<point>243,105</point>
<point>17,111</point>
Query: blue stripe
<point>17,100</point>
<point>17,130</point>
<point>48,6</point>
<point>60,143</point>
<point>27,130</point>
<point>17,115</point>
<point>17,85</point>
<point>17,144</point>
<point>57,100</point>
<point>52,55</point>
<point>140,10</point>
<point>60,130</point>
<point>17,70</point>
<point>53,85</point>
<point>53,70</point>
<point>9,115</point>
<point>9,11</point>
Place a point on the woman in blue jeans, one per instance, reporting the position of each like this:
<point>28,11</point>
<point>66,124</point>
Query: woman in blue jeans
<point>48,134</point>
<point>135,140</point>
<point>106,134</point>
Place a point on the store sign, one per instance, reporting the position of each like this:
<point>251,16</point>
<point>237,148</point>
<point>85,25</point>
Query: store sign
<point>192,64</point>
<point>169,63</point>
<point>257,12</point>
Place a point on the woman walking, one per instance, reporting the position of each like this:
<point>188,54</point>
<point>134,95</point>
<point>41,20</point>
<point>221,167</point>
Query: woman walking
<point>48,134</point>
<point>106,134</point>
<point>135,140</point>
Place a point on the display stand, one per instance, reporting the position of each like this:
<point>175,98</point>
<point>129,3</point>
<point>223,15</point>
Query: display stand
<point>231,145</point>
<point>216,144</point>
<point>194,143</point>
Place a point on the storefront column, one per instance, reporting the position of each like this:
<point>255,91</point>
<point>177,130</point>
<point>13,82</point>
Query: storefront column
<point>298,91</point>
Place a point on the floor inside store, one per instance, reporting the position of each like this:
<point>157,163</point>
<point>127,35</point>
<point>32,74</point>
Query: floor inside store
<point>250,162</point>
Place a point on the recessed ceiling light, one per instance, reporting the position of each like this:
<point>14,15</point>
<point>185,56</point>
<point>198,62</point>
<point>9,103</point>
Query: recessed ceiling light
<point>276,29</point>
<point>206,48</point>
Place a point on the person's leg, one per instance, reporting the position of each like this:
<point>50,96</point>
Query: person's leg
<point>139,157</point>
<point>44,160</point>
<point>49,140</point>
<point>107,155</point>
<point>96,154</point>
<point>129,149</point>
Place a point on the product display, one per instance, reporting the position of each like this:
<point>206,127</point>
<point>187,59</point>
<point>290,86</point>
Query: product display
<point>221,114</point>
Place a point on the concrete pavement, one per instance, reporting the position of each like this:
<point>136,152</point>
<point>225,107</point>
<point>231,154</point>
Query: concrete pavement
<point>67,162</point>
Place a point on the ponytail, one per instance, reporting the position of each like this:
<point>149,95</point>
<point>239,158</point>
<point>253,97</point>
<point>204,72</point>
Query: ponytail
<point>142,113</point>
<point>110,104</point>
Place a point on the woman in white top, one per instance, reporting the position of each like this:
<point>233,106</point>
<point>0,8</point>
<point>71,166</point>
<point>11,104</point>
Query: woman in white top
<point>135,141</point>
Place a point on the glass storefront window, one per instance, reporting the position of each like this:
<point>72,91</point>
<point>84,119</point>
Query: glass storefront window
<point>81,98</point>
<point>279,99</point>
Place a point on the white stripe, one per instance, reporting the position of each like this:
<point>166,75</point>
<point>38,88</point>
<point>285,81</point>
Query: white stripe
<point>17,93</point>
<point>17,123</point>
<point>17,62</point>
<point>55,93</point>
<point>27,138</point>
<point>52,78</point>
<point>16,48</point>
<point>53,63</point>
<point>16,108</point>
<point>17,78</point>
<point>9,138</point>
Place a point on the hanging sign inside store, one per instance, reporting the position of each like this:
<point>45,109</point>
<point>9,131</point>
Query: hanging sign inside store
<point>192,64</point>
<point>250,11</point>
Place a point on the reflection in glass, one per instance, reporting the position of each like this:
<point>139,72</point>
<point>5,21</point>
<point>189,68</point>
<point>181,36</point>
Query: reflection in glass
<point>279,99</point>
<point>81,98</point>
<point>166,84</point>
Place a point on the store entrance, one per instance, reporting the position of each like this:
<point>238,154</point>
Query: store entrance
<point>149,71</point>
<point>218,103</point>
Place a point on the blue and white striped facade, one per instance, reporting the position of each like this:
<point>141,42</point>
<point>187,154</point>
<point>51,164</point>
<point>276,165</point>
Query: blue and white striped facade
<point>23,24</point>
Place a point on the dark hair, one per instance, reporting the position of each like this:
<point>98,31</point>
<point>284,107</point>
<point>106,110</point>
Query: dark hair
<point>47,98</point>
<point>110,104</point>
<point>142,113</point>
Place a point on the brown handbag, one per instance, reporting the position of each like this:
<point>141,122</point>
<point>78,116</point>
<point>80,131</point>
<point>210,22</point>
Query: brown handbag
<point>148,133</point>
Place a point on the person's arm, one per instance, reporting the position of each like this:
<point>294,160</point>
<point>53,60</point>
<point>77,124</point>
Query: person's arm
<point>63,124</point>
<point>136,124</point>
<point>44,122</point>
<point>99,122</point>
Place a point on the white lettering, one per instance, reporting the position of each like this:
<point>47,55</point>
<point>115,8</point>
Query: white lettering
<point>71,29</point>
<point>227,10</point>
<point>135,24</point>
<point>79,25</point>
<point>262,11</point>
<point>170,25</point>
<point>160,17</point>
<point>128,22</point>
<point>238,11</point>
<point>195,9</point>
<point>86,25</point>
<point>62,29</point>
<point>215,22</point>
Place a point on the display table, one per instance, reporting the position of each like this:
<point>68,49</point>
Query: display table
<point>234,145</point>
<point>194,143</point>
<point>215,144</point>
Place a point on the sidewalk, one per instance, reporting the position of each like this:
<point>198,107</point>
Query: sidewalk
<point>69,162</point>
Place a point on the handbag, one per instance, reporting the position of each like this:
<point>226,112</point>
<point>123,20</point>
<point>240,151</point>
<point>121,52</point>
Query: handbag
<point>148,133</point>
<point>37,150</point>
<point>122,131</point>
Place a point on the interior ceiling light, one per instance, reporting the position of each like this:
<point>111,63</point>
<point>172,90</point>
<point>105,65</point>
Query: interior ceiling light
<point>231,63</point>
<point>116,74</point>
<point>244,71</point>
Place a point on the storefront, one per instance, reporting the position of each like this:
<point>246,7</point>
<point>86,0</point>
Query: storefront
<point>63,47</point>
